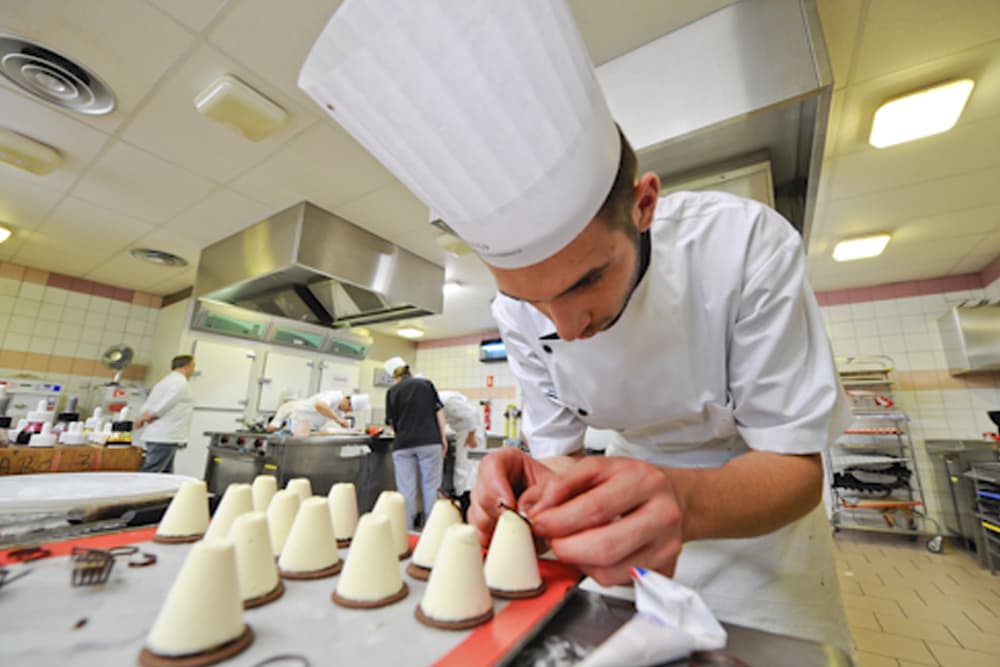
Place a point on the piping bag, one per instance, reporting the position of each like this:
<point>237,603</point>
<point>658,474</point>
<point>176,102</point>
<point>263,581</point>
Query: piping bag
<point>670,622</point>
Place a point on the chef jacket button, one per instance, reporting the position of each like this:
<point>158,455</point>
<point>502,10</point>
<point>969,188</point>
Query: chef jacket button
<point>582,412</point>
<point>547,349</point>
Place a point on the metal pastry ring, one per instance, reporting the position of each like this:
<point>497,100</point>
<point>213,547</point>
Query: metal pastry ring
<point>145,559</point>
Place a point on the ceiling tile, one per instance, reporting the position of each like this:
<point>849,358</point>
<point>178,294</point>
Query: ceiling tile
<point>133,182</point>
<point>273,41</point>
<point>980,256</point>
<point>128,44</point>
<point>217,216</point>
<point>390,211</point>
<point>123,270</point>
<point>77,143</point>
<point>897,35</point>
<point>175,283</point>
<point>23,204</point>
<point>966,148</point>
<point>322,165</point>
<point>840,20</point>
<point>197,143</point>
<point>891,209</point>
<point>195,14</point>
<point>78,226</point>
<point>46,253</point>
<point>611,29</point>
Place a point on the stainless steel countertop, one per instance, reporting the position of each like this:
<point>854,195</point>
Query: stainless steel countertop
<point>957,445</point>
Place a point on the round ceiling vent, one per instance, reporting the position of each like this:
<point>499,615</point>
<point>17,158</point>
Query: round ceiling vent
<point>53,77</point>
<point>160,257</point>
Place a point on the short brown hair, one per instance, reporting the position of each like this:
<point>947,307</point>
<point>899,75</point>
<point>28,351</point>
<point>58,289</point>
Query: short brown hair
<point>616,210</point>
<point>180,361</point>
<point>402,371</point>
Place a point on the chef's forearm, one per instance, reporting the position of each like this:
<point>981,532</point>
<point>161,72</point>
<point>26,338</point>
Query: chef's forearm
<point>560,464</point>
<point>752,495</point>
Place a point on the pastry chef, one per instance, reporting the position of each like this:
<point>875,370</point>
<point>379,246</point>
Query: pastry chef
<point>462,418</point>
<point>684,323</point>
<point>320,409</point>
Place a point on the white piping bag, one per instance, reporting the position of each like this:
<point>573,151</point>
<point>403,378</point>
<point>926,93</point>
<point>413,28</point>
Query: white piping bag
<point>670,622</point>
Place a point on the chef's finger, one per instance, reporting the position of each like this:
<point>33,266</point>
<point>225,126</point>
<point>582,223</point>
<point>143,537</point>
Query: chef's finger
<point>557,489</point>
<point>649,536</point>
<point>588,503</point>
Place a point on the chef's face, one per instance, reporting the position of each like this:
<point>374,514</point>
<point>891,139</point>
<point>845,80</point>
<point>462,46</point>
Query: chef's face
<point>584,287</point>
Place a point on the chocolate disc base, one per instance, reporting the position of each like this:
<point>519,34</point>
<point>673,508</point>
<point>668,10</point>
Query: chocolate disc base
<point>260,600</point>
<point>343,542</point>
<point>371,604</point>
<point>464,624</point>
<point>149,659</point>
<point>518,595</point>
<point>315,574</point>
<point>406,554</point>
<point>177,539</point>
<point>418,571</point>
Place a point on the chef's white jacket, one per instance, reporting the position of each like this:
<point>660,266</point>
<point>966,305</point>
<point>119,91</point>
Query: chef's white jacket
<point>305,409</point>
<point>171,403</point>
<point>720,350</point>
<point>461,416</point>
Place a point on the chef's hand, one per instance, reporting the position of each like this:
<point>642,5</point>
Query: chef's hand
<point>502,476</point>
<point>607,514</point>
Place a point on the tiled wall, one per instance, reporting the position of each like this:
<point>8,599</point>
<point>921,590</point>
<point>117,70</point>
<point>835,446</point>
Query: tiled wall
<point>54,327</point>
<point>453,364</point>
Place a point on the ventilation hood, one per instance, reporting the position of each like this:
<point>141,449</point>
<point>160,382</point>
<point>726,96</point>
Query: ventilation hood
<point>746,84</point>
<point>309,265</point>
<point>970,334</point>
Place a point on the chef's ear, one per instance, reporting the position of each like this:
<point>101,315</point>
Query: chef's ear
<point>647,196</point>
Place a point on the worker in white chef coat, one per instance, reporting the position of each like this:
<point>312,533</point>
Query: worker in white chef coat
<point>166,416</point>
<point>683,323</point>
<point>462,418</point>
<point>313,412</point>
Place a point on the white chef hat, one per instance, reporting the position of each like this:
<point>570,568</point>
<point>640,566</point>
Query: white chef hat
<point>391,365</point>
<point>360,402</point>
<point>490,113</point>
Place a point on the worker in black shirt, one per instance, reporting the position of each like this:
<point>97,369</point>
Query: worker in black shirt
<point>414,410</point>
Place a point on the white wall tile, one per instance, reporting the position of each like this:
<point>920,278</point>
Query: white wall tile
<point>73,316</point>
<point>55,295</point>
<point>7,304</point>
<point>64,348</point>
<point>18,324</point>
<point>50,311</point>
<point>862,311</point>
<point>41,344</point>
<point>32,291</point>
<point>119,308</point>
<point>27,307</point>
<point>9,287</point>
<point>98,304</point>
<point>78,300</point>
<point>17,342</point>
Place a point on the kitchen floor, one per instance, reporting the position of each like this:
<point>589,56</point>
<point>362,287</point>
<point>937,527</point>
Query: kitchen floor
<point>909,607</point>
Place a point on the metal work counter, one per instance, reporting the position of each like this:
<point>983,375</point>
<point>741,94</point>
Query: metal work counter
<point>951,459</point>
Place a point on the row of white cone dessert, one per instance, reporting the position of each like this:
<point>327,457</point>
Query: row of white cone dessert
<point>246,542</point>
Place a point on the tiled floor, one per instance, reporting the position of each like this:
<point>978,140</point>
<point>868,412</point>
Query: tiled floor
<point>909,607</point>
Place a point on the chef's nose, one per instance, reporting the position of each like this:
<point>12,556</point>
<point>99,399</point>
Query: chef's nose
<point>570,319</point>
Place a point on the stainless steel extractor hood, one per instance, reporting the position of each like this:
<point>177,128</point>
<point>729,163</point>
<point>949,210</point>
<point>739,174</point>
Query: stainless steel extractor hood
<point>747,83</point>
<point>309,265</point>
<point>970,334</point>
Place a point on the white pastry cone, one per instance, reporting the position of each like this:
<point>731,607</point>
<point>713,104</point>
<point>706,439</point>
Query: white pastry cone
<point>443,515</point>
<point>258,574</point>
<point>511,563</point>
<point>237,500</point>
<point>456,594</point>
<point>186,518</point>
<point>204,609</point>
<point>311,549</point>
<point>392,505</point>
<point>301,486</point>
<point>264,487</point>
<point>371,570</point>
<point>344,511</point>
<point>280,516</point>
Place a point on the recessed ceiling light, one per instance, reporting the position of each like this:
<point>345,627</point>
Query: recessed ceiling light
<point>229,101</point>
<point>860,248</point>
<point>923,113</point>
<point>26,153</point>
<point>410,332</point>
<point>4,233</point>
<point>160,257</point>
<point>451,287</point>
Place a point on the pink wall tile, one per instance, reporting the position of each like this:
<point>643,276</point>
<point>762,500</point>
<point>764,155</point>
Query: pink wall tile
<point>107,291</point>
<point>880,292</point>
<point>907,289</point>
<point>60,281</point>
<point>83,286</point>
<point>121,294</point>
<point>14,271</point>
<point>991,272</point>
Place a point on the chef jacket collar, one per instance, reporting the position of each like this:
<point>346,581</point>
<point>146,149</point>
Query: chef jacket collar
<point>645,251</point>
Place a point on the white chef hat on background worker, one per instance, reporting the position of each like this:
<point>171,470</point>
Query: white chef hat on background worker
<point>360,402</point>
<point>393,364</point>
<point>489,112</point>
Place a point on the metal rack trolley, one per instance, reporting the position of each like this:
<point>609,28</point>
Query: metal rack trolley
<point>986,477</point>
<point>872,470</point>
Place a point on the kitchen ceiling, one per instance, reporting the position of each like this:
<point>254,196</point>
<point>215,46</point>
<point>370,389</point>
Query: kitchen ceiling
<point>156,173</point>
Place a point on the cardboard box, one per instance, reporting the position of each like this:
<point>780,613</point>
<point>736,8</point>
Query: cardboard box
<point>30,460</point>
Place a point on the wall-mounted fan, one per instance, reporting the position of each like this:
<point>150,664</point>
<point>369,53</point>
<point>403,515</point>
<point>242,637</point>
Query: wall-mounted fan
<point>117,358</point>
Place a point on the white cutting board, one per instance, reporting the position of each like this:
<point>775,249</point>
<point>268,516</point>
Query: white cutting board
<point>59,492</point>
